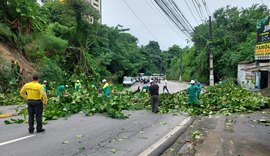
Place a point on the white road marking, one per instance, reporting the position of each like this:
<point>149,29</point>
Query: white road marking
<point>15,140</point>
<point>164,138</point>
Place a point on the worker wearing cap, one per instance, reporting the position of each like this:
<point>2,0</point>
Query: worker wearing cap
<point>34,94</point>
<point>106,88</point>
<point>192,93</point>
<point>154,93</point>
<point>78,86</point>
<point>44,85</point>
<point>61,89</point>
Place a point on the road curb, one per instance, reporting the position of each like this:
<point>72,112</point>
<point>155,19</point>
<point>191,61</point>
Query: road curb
<point>6,115</point>
<point>166,141</point>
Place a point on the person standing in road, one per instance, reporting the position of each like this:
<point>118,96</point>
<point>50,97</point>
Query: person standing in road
<point>34,93</point>
<point>192,92</point>
<point>106,88</point>
<point>165,87</point>
<point>154,92</point>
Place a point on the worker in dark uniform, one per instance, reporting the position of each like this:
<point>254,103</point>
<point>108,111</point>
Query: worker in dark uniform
<point>154,92</point>
<point>34,93</point>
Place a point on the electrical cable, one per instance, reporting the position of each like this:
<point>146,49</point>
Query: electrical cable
<point>141,21</point>
<point>168,13</point>
<point>168,10</point>
<point>162,16</point>
<point>191,12</point>
<point>195,6</point>
<point>206,7</point>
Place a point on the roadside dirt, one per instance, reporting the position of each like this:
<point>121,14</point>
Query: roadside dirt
<point>234,135</point>
<point>8,54</point>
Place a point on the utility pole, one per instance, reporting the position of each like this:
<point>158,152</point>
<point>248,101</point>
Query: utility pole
<point>211,66</point>
<point>181,65</point>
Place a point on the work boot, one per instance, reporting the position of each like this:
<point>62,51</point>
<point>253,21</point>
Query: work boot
<point>31,131</point>
<point>40,130</point>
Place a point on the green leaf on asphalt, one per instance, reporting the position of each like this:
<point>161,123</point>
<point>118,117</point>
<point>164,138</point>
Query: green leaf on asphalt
<point>79,136</point>
<point>164,123</point>
<point>7,122</point>
<point>114,150</point>
<point>65,142</point>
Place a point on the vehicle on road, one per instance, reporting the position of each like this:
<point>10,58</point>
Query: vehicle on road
<point>128,81</point>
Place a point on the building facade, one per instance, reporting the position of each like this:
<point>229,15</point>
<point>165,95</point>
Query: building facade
<point>97,5</point>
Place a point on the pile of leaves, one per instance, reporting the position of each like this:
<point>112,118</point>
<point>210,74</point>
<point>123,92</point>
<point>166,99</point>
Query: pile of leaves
<point>12,98</point>
<point>219,99</point>
<point>91,103</point>
<point>223,98</point>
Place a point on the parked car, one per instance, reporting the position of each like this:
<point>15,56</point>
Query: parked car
<point>128,81</point>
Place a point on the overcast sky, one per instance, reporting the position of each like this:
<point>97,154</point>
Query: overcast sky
<point>149,23</point>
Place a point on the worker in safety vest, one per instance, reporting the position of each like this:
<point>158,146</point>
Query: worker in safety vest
<point>61,89</point>
<point>192,92</point>
<point>78,86</point>
<point>44,85</point>
<point>106,88</point>
<point>34,93</point>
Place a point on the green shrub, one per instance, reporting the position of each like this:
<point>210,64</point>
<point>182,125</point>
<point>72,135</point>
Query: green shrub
<point>51,71</point>
<point>9,78</point>
<point>5,33</point>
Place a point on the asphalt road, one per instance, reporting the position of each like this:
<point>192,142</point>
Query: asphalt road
<point>173,86</point>
<point>95,135</point>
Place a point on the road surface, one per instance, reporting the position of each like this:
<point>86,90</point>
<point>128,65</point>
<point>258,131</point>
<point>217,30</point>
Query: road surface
<point>96,135</point>
<point>173,86</point>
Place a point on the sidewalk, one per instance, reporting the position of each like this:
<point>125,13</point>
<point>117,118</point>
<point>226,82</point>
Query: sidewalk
<point>8,111</point>
<point>218,135</point>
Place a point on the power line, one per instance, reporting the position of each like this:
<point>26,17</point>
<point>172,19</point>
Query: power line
<point>206,8</point>
<point>191,12</point>
<point>172,11</point>
<point>199,7</point>
<point>141,22</point>
<point>162,16</point>
<point>168,13</point>
<point>195,6</point>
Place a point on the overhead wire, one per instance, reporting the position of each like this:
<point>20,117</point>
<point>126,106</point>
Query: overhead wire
<point>162,16</point>
<point>206,8</point>
<point>174,14</point>
<point>191,12</point>
<point>183,16</point>
<point>168,13</point>
<point>195,6</point>
<point>141,22</point>
<point>200,9</point>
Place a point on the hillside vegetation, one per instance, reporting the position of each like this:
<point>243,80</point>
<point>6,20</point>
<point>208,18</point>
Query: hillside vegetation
<point>64,46</point>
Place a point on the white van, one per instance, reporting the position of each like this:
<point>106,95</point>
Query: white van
<point>128,81</point>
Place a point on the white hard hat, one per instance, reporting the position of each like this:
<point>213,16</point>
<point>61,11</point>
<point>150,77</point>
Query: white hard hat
<point>151,81</point>
<point>103,80</point>
<point>45,81</point>
<point>78,81</point>
<point>66,86</point>
<point>192,82</point>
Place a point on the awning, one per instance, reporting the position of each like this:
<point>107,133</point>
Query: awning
<point>259,68</point>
